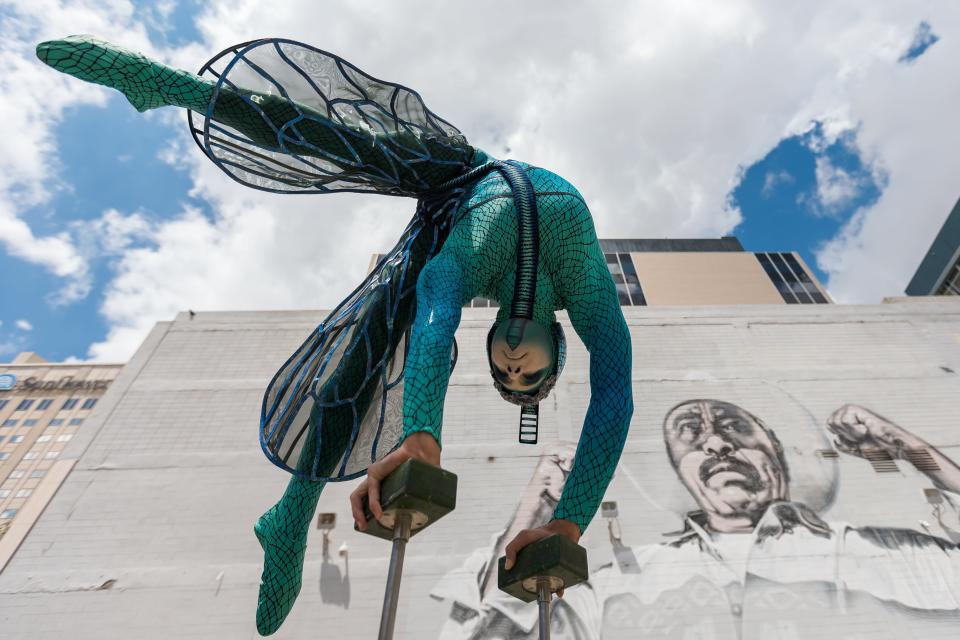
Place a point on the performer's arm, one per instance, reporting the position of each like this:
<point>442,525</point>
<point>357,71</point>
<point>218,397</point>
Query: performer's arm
<point>440,297</point>
<point>426,374</point>
<point>590,297</point>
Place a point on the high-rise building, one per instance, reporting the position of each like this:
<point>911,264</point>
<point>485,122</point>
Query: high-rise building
<point>42,407</point>
<point>939,271</point>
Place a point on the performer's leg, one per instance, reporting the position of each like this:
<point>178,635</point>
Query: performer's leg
<point>148,84</point>
<point>145,83</point>
<point>282,532</point>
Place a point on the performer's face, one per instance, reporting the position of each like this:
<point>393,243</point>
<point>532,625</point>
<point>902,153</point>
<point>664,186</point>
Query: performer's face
<point>524,368</point>
<point>728,460</point>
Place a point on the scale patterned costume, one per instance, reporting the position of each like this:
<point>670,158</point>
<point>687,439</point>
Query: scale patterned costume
<point>285,117</point>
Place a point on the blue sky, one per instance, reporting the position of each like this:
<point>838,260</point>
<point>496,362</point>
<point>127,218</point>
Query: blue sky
<point>109,158</point>
<point>781,195</point>
<point>804,178</point>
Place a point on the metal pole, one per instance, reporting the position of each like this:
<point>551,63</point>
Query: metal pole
<point>401,533</point>
<point>543,598</point>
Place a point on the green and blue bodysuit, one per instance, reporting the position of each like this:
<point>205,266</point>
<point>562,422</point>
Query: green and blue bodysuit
<point>285,117</point>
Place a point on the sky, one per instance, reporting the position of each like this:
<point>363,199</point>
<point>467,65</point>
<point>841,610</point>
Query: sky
<point>823,127</point>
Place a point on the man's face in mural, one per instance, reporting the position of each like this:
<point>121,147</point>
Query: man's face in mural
<point>731,464</point>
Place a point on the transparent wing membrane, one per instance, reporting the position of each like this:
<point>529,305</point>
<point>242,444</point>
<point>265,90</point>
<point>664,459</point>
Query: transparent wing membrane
<point>290,118</point>
<point>336,405</point>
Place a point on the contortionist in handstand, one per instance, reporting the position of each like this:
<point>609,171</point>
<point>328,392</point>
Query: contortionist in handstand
<point>365,391</point>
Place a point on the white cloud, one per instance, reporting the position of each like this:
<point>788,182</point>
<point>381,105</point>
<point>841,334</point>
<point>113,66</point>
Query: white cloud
<point>773,179</point>
<point>112,233</point>
<point>10,346</point>
<point>32,104</point>
<point>55,252</point>
<point>651,109</point>
<point>24,325</point>
<point>908,125</point>
<point>836,187</point>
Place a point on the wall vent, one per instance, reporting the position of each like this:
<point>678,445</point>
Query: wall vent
<point>921,459</point>
<point>881,461</point>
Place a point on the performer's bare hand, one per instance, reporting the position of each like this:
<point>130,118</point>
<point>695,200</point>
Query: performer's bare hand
<point>860,431</point>
<point>529,536</point>
<point>420,445</point>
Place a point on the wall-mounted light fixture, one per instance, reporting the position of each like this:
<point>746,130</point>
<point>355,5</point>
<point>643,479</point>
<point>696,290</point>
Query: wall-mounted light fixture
<point>326,521</point>
<point>610,512</point>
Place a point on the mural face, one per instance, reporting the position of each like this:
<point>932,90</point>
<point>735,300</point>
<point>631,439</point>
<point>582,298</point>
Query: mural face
<point>750,561</point>
<point>728,460</point>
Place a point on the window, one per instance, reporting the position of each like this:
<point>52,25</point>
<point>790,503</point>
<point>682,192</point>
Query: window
<point>4,403</point>
<point>617,274</point>
<point>15,439</point>
<point>777,279</point>
<point>50,455</point>
<point>950,286</point>
<point>44,438</point>
<point>75,422</point>
<point>56,422</point>
<point>44,404</point>
<point>89,403</point>
<point>64,438</point>
<point>624,276</point>
<point>24,493</point>
<point>7,513</point>
<point>30,455</point>
<point>39,473</point>
<point>4,493</point>
<point>70,404</point>
<point>791,280</point>
<point>482,303</point>
<point>16,473</point>
<point>4,455</point>
<point>2,438</point>
<point>30,423</point>
<point>24,405</point>
<point>803,277</point>
<point>10,423</point>
<point>632,280</point>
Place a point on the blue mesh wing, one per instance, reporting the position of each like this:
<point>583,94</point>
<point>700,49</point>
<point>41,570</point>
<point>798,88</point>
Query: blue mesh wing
<point>291,118</point>
<point>336,405</point>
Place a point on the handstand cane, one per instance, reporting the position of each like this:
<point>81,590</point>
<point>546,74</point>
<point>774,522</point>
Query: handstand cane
<point>413,497</point>
<point>542,569</point>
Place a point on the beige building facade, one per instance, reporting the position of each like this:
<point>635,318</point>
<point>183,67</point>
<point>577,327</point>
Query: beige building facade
<point>707,272</point>
<point>43,406</point>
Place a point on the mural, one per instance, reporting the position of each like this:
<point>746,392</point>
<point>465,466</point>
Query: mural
<point>752,560</point>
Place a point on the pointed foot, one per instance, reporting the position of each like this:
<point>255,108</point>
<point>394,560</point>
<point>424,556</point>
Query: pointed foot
<point>140,79</point>
<point>284,550</point>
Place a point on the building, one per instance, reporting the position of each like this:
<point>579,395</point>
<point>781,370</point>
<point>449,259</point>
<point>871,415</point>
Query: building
<point>939,271</point>
<point>707,272</point>
<point>43,406</point>
<point>654,272</point>
<point>150,535</point>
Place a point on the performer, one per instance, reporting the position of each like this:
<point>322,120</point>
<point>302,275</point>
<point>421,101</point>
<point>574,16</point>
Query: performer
<point>366,390</point>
